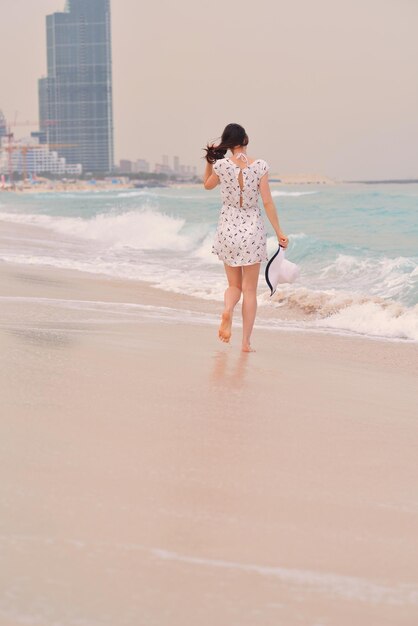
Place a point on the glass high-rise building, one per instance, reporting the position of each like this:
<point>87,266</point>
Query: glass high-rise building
<point>75,98</point>
<point>3,126</point>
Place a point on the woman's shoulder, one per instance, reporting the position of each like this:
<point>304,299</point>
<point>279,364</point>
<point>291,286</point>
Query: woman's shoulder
<point>219,163</point>
<point>260,163</point>
<point>263,166</point>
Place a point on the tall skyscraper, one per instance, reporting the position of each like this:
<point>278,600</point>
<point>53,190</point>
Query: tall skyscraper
<point>3,125</point>
<point>75,98</point>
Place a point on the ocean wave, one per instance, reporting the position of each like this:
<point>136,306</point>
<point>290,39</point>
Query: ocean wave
<point>164,193</point>
<point>135,194</point>
<point>144,230</point>
<point>277,192</point>
<point>373,319</point>
<point>204,251</point>
<point>389,277</point>
<point>356,265</point>
<point>360,314</point>
<point>188,280</point>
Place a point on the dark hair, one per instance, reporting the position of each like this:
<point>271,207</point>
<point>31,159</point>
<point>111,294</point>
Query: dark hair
<point>233,135</point>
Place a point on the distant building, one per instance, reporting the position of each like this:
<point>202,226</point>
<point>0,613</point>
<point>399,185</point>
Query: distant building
<point>28,156</point>
<point>3,125</point>
<point>125,166</point>
<point>41,136</point>
<point>75,98</point>
<point>141,165</point>
<point>162,168</point>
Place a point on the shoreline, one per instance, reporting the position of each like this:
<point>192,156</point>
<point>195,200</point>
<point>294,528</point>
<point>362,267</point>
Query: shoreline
<point>182,305</point>
<point>275,180</point>
<point>278,180</point>
<point>83,287</point>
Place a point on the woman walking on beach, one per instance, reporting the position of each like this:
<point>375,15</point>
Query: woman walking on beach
<point>240,239</point>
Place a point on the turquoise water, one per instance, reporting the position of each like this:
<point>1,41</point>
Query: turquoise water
<point>356,246</point>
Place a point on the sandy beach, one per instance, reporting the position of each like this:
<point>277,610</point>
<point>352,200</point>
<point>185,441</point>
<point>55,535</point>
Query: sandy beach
<point>152,476</point>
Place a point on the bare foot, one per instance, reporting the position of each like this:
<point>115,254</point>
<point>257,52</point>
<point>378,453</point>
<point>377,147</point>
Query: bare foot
<point>247,348</point>
<point>224,332</point>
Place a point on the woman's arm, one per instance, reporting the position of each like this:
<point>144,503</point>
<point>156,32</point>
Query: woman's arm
<point>271,210</point>
<point>210,179</point>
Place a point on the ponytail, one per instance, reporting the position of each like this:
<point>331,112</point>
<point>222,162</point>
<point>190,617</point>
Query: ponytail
<point>213,153</point>
<point>233,135</point>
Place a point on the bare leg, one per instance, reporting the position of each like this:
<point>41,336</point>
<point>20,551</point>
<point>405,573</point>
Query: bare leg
<point>231,298</point>
<point>250,275</point>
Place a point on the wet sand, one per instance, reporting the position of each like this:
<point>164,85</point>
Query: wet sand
<point>153,476</point>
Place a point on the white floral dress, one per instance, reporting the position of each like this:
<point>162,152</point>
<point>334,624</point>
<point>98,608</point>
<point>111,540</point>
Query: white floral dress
<point>240,237</point>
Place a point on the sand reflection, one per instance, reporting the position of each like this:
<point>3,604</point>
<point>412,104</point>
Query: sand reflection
<point>229,370</point>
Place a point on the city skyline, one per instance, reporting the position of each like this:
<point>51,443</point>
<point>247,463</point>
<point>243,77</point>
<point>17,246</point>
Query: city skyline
<point>323,88</point>
<point>134,166</point>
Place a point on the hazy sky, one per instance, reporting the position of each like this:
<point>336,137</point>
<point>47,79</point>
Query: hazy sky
<point>326,87</point>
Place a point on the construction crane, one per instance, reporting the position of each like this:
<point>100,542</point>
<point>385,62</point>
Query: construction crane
<point>15,123</point>
<point>24,149</point>
<point>10,148</point>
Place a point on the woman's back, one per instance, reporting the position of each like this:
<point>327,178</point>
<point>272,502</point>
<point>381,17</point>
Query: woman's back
<point>240,185</point>
<point>240,237</point>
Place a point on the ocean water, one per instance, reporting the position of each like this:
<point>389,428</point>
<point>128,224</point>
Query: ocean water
<point>356,246</point>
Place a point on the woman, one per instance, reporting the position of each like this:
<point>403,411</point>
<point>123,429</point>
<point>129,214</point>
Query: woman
<point>240,240</point>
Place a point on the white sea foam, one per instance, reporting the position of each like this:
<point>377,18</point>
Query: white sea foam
<point>204,251</point>
<point>136,194</point>
<point>277,192</point>
<point>162,193</point>
<point>296,236</point>
<point>356,266</point>
<point>128,310</point>
<point>272,241</point>
<point>349,587</point>
<point>371,318</point>
<point>145,230</point>
<point>361,314</point>
<point>391,277</point>
<point>187,280</point>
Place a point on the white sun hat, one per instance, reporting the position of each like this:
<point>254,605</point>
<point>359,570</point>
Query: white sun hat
<point>280,270</point>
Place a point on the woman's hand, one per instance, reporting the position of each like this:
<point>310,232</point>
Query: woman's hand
<point>282,239</point>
